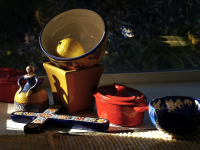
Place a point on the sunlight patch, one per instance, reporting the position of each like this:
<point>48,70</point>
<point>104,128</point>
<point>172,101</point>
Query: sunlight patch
<point>10,125</point>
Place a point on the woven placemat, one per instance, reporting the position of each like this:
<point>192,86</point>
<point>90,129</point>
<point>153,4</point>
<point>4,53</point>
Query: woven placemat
<point>141,140</point>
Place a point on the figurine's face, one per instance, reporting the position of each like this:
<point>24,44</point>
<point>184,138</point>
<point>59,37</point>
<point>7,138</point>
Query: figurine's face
<point>28,69</point>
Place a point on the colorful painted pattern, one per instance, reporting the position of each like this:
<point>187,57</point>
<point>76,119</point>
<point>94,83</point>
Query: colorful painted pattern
<point>50,113</point>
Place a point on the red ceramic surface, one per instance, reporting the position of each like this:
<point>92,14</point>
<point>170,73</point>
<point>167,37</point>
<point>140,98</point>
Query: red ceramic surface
<point>124,106</point>
<point>8,83</point>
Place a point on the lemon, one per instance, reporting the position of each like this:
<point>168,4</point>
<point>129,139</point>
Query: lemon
<point>69,48</point>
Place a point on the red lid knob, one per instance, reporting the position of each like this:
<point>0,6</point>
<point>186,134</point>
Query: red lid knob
<point>120,88</point>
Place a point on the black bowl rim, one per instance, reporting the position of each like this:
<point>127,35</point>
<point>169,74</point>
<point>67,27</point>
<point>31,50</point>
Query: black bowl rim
<point>163,111</point>
<point>66,59</point>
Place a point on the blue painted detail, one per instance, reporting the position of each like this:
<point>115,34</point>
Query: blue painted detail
<point>21,119</point>
<point>176,115</point>
<point>31,83</point>
<point>36,121</point>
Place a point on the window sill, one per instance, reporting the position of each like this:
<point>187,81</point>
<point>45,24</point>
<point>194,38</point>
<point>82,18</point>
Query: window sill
<point>152,85</point>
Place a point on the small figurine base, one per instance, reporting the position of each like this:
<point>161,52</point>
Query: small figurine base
<point>37,120</point>
<point>74,89</point>
<point>36,102</point>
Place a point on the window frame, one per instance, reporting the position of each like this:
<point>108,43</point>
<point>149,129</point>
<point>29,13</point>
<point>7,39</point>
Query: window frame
<point>145,77</point>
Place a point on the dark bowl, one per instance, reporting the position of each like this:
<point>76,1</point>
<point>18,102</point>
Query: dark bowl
<point>176,116</point>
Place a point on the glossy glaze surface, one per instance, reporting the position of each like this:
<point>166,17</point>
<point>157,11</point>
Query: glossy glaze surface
<point>125,95</point>
<point>86,26</point>
<point>73,89</point>
<point>125,109</point>
<point>177,116</point>
<point>36,121</point>
<point>31,96</point>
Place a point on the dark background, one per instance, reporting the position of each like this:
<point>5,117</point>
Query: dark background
<point>141,49</point>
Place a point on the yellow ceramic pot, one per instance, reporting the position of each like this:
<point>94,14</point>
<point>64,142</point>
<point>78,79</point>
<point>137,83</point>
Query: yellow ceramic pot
<point>74,89</point>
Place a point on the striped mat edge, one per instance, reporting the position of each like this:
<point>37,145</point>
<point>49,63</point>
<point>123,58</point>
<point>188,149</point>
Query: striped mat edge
<point>142,140</point>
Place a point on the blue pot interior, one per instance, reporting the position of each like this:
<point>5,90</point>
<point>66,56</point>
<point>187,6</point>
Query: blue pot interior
<point>176,104</point>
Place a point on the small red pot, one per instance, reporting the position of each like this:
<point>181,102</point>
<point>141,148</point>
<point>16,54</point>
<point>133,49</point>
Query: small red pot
<point>8,83</point>
<point>122,106</point>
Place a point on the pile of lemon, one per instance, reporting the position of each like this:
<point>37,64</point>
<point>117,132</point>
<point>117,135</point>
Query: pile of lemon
<point>69,48</point>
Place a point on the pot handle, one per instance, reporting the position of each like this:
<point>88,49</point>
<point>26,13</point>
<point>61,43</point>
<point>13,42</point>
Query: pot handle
<point>141,109</point>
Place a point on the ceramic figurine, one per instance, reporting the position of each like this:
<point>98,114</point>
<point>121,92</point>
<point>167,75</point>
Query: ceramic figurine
<point>36,121</point>
<point>31,96</point>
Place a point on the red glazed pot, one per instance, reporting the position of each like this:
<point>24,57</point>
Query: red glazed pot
<point>124,107</point>
<point>8,83</point>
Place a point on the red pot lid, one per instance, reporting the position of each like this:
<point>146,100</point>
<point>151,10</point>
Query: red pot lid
<point>10,75</point>
<point>120,93</point>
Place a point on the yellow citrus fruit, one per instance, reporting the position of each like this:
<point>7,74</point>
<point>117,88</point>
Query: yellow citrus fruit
<point>69,48</point>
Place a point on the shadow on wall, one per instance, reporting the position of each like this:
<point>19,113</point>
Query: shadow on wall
<point>60,96</point>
